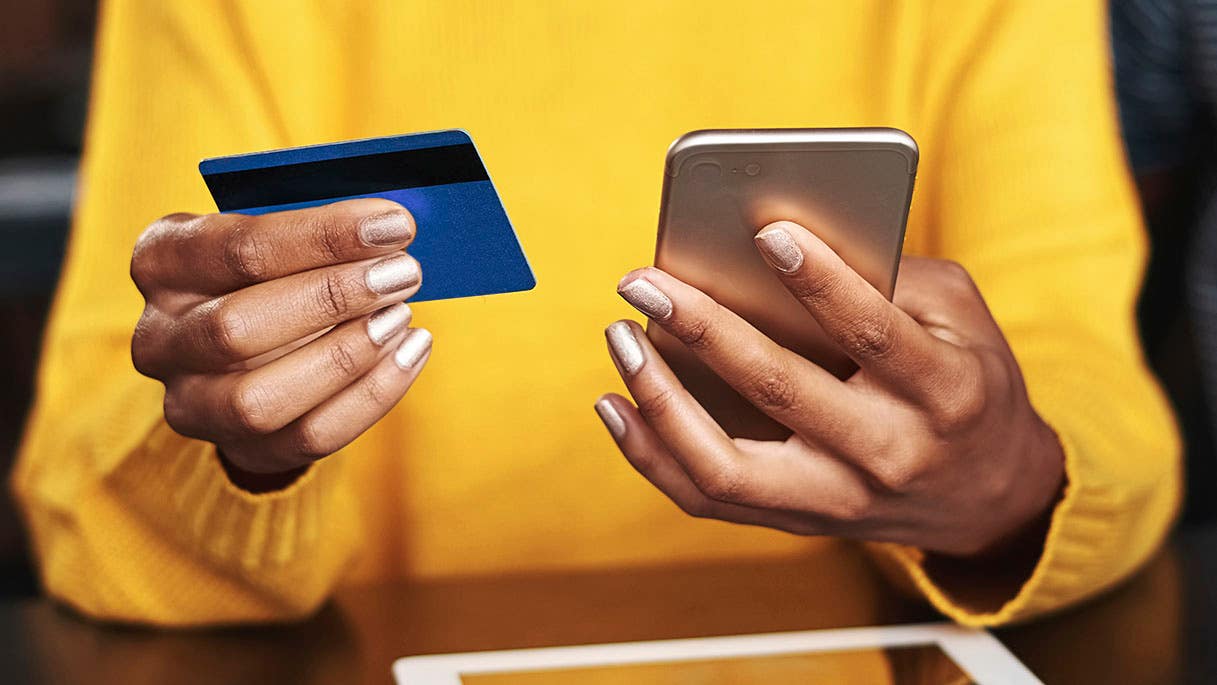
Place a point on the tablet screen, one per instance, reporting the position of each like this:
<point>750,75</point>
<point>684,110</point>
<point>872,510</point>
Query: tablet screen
<point>919,664</point>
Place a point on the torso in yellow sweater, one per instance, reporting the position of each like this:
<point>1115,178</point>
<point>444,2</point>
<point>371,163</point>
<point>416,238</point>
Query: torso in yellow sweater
<point>495,461</point>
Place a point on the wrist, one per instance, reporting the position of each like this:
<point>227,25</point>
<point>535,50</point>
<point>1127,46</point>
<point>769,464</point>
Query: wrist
<point>258,483</point>
<point>1024,537</point>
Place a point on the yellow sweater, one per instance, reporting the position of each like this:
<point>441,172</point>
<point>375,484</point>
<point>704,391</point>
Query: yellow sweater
<point>495,461</point>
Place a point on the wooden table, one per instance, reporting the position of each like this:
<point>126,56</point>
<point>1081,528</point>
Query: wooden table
<point>1158,628</point>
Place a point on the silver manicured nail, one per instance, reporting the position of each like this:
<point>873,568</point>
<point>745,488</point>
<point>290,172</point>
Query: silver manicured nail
<point>393,274</point>
<point>624,347</point>
<point>413,348</point>
<point>386,229</point>
<point>647,298</point>
<point>780,250</point>
<point>612,420</point>
<point>388,322</point>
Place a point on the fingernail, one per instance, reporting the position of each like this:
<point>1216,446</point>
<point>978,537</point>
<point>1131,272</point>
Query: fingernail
<point>388,322</point>
<point>390,275</point>
<point>612,420</point>
<point>413,348</point>
<point>779,249</point>
<point>386,229</point>
<point>647,298</point>
<point>624,347</point>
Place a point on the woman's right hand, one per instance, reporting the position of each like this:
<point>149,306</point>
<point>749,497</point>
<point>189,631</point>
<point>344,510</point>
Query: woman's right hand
<point>281,337</point>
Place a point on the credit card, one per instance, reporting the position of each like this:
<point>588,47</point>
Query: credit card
<point>465,242</point>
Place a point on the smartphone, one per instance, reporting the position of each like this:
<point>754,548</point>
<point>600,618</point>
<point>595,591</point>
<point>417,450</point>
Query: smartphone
<point>849,186</point>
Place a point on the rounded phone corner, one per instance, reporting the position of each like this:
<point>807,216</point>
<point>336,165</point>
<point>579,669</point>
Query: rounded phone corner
<point>902,143</point>
<point>683,148</point>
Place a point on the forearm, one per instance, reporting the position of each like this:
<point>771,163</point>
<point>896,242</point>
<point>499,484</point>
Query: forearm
<point>133,522</point>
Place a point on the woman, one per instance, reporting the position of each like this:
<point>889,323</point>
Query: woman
<point>1027,447</point>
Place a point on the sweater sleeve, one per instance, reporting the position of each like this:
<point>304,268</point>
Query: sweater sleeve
<point>1030,192</point>
<point>129,520</point>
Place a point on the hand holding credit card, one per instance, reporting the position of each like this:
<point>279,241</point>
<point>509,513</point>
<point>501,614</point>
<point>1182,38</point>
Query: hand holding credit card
<point>465,242</point>
<point>278,327</point>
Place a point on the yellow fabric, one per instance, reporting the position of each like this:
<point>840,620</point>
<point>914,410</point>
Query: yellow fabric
<point>495,461</point>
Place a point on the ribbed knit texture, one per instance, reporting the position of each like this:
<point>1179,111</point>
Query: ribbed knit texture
<point>495,461</point>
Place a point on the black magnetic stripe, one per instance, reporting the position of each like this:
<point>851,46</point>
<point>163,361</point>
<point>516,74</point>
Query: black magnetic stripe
<point>307,181</point>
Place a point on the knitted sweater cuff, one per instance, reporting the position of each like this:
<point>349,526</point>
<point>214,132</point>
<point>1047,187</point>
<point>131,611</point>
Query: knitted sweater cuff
<point>180,485</point>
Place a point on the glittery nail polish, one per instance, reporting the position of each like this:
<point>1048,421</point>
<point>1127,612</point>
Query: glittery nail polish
<point>413,348</point>
<point>388,322</point>
<point>386,229</point>
<point>779,249</point>
<point>393,274</point>
<point>647,298</point>
<point>612,420</point>
<point>625,347</point>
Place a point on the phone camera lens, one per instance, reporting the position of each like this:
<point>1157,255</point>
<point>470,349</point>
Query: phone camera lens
<point>752,169</point>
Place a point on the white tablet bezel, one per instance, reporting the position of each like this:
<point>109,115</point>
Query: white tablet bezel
<point>975,651</point>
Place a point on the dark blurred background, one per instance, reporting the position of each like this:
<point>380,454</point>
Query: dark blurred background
<point>45,52</point>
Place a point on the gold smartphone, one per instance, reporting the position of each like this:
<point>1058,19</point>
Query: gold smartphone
<point>849,186</point>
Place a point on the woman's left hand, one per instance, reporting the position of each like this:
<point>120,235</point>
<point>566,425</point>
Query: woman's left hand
<point>931,443</point>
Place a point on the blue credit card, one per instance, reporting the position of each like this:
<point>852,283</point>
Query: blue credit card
<point>465,241</point>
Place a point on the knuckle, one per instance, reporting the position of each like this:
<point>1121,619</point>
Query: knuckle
<point>143,266</point>
<point>956,279</point>
<point>143,255</point>
<point>771,390</point>
<point>870,338</point>
<point>857,508</point>
<point>333,296</point>
<point>726,483</point>
<point>142,345</point>
<point>695,334</point>
<point>896,476</point>
<point>904,469</point>
<point>345,359</point>
<point>312,441</point>
<point>961,410</point>
<point>252,410</point>
<point>965,403</point>
<point>657,404</point>
<point>377,392</point>
<point>954,272</point>
<point>176,414</point>
<point>224,332</point>
<point>245,253</point>
<point>173,221</point>
<point>332,239</point>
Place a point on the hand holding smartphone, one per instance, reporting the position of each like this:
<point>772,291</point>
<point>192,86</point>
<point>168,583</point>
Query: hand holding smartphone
<point>852,187</point>
<point>779,285</point>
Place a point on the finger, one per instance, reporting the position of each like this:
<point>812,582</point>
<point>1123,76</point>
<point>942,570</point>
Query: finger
<point>942,298</point>
<point>262,317</point>
<point>712,460</point>
<point>647,454</point>
<point>219,253</point>
<point>264,400</point>
<point>154,348</point>
<point>839,507</point>
<point>877,335</point>
<point>342,418</point>
<point>787,387</point>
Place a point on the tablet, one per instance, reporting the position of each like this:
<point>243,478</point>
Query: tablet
<point>925,654</point>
